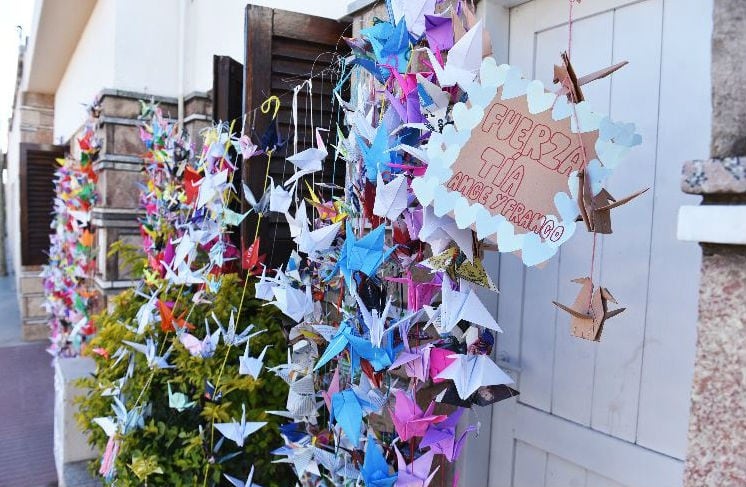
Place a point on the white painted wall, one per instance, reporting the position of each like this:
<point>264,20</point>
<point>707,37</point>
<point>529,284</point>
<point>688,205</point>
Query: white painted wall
<point>90,69</point>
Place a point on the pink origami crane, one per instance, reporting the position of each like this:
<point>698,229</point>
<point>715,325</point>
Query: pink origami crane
<point>417,473</point>
<point>442,439</point>
<point>408,418</point>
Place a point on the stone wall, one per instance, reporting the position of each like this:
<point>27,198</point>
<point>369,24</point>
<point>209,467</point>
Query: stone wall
<point>717,444</point>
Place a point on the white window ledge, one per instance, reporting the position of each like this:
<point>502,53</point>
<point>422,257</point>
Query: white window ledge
<point>713,224</point>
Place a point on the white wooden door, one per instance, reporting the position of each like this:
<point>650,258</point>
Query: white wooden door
<point>613,413</point>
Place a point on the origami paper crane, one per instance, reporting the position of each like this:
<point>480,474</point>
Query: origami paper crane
<point>149,349</point>
<point>348,413</point>
<point>419,294</point>
<point>470,372</point>
<point>590,310</point>
<point>441,437</point>
<point>240,483</point>
<point>377,157</point>
<point>178,400</point>
<point>309,160</point>
<point>379,358</point>
<point>123,421</point>
<point>295,303</point>
<point>409,420</point>
<point>238,431</point>
<point>439,32</point>
<point>375,470</point>
<point>364,255</point>
<point>230,337</point>
<point>204,348</point>
<point>440,231</point>
<point>460,305</point>
<point>313,242</point>
<point>413,12</point>
<point>299,222</point>
<point>464,60</point>
<point>416,361</point>
<point>259,206</point>
<point>391,43</point>
<point>375,322</point>
<point>279,198</point>
<point>416,474</point>
<point>391,198</point>
<point>251,365</point>
<point>210,186</point>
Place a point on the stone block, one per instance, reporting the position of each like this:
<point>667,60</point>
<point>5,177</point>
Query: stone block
<point>121,139</point>
<point>32,306</point>
<point>70,444</point>
<point>118,189</point>
<point>31,284</point>
<point>34,330</point>
<point>717,446</point>
<point>715,176</point>
<point>37,99</point>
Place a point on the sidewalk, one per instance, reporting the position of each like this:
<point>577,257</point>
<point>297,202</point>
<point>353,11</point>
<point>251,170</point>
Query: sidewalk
<point>26,401</point>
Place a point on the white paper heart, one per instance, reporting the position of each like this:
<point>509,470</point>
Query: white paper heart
<point>507,240</point>
<point>444,201</point>
<point>466,118</point>
<point>481,95</point>
<point>584,118</point>
<point>566,206</point>
<point>424,189</point>
<point>515,85</point>
<point>534,251</point>
<point>610,153</point>
<point>538,99</point>
<point>562,108</point>
<point>486,223</point>
<point>490,74</point>
<point>597,174</point>
<point>464,213</point>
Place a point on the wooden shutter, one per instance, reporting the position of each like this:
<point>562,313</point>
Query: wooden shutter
<point>282,50</point>
<point>37,166</point>
<point>227,89</point>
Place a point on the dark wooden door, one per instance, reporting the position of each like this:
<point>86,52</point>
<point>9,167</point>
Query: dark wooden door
<point>37,167</point>
<point>227,89</point>
<point>283,49</point>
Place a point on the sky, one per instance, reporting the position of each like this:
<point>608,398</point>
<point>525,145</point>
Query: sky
<point>12,14</point>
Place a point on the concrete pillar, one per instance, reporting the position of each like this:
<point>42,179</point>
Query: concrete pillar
<point>717,444</point>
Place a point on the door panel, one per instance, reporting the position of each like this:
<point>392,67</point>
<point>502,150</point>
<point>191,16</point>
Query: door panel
<point>604,414</point>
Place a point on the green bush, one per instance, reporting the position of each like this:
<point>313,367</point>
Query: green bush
<point>171,442</point>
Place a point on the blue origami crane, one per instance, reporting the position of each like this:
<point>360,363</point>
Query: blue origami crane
<point>375,471</point>
<point>392,44</point>
<point>379,358</point>
<point>348,412</point>
<point>365,255</point>
<point>378,155</point>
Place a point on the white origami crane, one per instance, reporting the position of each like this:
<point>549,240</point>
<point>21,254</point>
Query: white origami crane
<point>123,420</point>
<point>295,303</point>
<point>230,337</point>
<point>183,275</point>
<point>238,431</point>
<point>439,231</point>
<point>251,365</point>
<point>149,349</point>
<point>470,372</point>
<point>178,400</point>
<point>258,206</point>
<point>279,198</point>
<point>413,12</point>
<point>240,483</point>
<point>312,242</point>
<point>186,250</point>
<point>309,160</point>
<point>210,186</point>
<point>464,60</point>
<point>375,323</point>
<point>299,222</point>
<point>461,305</point>
<point>391,198</point>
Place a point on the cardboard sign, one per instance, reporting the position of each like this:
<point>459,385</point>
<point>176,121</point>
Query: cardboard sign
<point>515,162</point>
